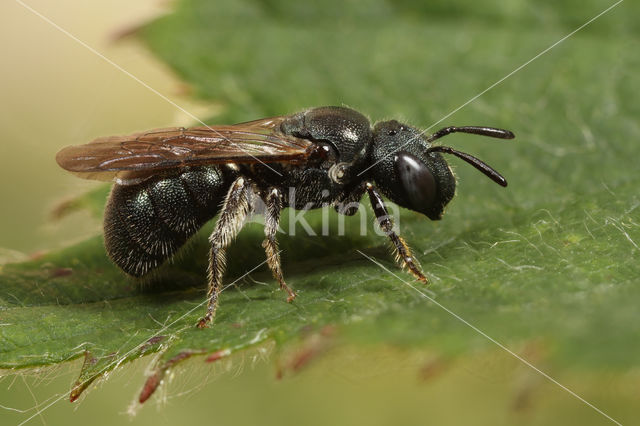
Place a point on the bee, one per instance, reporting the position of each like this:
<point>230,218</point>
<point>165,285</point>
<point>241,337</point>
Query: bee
<point>170,182</point>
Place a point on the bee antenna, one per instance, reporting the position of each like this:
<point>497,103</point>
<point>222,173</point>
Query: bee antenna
<point>476,130</point>
<point>475,162</point>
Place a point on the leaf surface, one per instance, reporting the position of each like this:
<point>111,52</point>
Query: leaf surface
<point>552,258</point>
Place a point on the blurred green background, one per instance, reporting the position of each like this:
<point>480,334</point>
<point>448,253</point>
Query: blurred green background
<point>574,111</point>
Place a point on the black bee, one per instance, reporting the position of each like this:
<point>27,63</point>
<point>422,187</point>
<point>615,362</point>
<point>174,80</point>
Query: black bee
<point>170,182</point>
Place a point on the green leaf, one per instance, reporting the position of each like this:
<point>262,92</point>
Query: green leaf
<point>553,258</point>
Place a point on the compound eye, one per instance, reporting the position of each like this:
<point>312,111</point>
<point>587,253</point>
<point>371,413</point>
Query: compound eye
<point>418,182</point>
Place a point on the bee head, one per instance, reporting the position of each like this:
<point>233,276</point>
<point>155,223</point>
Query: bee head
<point>412,173</point>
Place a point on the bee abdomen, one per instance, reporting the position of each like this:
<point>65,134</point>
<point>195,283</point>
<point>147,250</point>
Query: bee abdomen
<point>147,223</point>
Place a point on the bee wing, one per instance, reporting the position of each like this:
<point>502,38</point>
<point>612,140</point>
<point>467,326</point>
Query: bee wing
<point>144,154</point>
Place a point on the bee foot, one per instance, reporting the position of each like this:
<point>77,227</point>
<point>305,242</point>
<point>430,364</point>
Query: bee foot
<point>292,296</point>
<point>204,322</point>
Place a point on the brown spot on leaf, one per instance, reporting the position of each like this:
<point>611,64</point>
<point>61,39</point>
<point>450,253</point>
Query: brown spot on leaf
<point>215,356</point>
<point>302,358</point>
<point>80,384</point>
<point>60,272</point>
<point>150,386</point>
<point>313,346</point>
<point>155,340</point>
<point>155,379</point>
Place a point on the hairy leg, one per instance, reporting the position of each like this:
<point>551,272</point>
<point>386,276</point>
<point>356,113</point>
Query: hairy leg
<point>232,215</point>
<point>403,252</point>
<point>270,244</point>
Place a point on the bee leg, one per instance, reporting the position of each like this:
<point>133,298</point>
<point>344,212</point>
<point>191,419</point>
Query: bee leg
<point>403,252</point>
<point>270,244</point>
<point>233,213</point>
